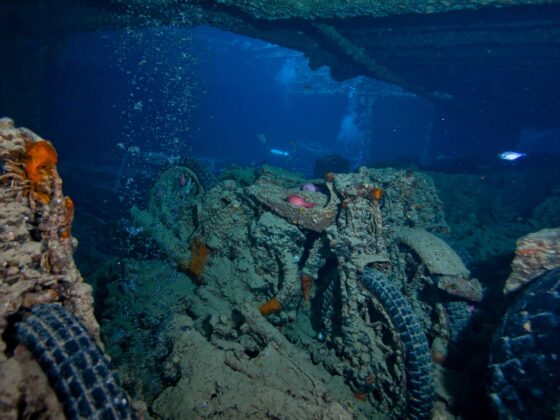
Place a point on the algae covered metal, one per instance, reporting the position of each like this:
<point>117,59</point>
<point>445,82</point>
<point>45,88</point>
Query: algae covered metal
<point>336,277</point>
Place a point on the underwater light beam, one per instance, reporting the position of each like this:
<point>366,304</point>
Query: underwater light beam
<point>349,132</point>
<point>286,77</point>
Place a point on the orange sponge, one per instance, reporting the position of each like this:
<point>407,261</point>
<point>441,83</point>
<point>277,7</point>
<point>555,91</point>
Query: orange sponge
<point>199,258</point>
<point>66,225</point>
<point>376,194</point>
<point>270,307</point>
<point>40,157</point>
<point>306,286</point>
<point>39,160</point>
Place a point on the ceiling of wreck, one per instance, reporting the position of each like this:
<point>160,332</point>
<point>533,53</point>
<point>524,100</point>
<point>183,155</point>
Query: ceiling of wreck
<point>481,52</point>
<point>339,9</point>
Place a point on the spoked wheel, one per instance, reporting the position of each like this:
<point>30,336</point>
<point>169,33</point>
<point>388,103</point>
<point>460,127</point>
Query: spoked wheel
<point>175,192</point>
<point>412,340</point>
<point>376,334</point>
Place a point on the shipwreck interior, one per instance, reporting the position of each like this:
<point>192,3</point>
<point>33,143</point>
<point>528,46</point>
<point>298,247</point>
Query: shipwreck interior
<point>378,294</point>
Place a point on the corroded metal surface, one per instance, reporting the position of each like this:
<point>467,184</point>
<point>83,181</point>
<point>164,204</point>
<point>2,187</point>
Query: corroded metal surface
<point>450,272</point>
<point>438,256</point>
<point>536,253</point>
<point>339,9</point>
<point>36,259</point>
<point>316,219</point>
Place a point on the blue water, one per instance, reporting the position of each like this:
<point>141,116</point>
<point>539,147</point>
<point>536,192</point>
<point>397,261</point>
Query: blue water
<point>211,94</point>
<point>228,99</point>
